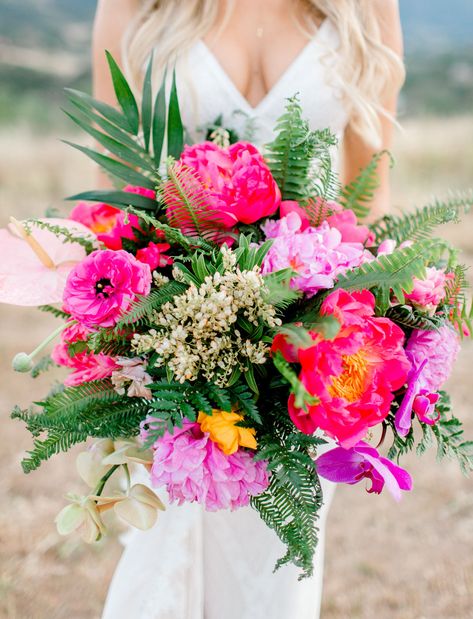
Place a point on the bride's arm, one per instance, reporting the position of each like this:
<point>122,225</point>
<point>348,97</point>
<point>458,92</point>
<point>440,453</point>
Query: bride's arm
<point>357,154</point>
<point>112,18</point>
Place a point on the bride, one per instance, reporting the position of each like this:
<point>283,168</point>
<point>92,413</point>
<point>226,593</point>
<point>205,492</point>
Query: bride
<point>240,59</point>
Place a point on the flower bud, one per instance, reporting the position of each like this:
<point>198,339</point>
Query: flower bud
<point>22,362</point>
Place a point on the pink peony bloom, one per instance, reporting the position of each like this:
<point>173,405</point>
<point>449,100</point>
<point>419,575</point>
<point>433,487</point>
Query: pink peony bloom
<point>362,461</point>
<point>317,255</point>
<point>354,376</point>
<point>194,468</point>
<point>345,221</point>
<point>110,224</point>
<point>254,192</point>
<point>432,354</point>
<point>237,186</point>
<point>86,365</point>
<point>154,255</point>
<point>427,293</point>
<point>104,285</point>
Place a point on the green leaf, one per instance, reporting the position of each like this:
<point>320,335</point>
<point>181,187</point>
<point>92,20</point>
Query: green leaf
<point>111,114</point>
<point>120,150</point>
<point>159,122</point>
<point>120,199</point>
<point>124,95</point>
<point>147,104</point>
<point>175,126</point>
<point>303,398</point>
<point>116,168</point>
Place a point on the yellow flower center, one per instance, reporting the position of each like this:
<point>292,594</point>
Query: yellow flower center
<point>351,382</point>
<point>223,430</point>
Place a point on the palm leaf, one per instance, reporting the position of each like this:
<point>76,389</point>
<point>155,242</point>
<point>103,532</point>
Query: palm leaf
<point>175,127</point>
<point>124,95</point>
<point>120,199</point>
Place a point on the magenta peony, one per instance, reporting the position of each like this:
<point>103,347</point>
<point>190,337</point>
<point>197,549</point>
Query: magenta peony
<point>237,184</point>
<point>354,376</point>
<point>86,365</point>
<point>193,468</point>
<point>317,255</point>
<point>350,466</point>
<point>104,285</point>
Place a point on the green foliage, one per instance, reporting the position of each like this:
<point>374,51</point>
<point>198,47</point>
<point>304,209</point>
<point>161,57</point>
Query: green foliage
<point>456,301</point>
<point>410,318</point>
<point>389,272</point>
<point>55,311</point>
<point>358,194</point>
<point>173,402</point>
<point>279,291</point>
<point>134,158</point>
<point>120,199</point>
<point>290,504</point>
<point>63,233</point>
<point>144,307</point>
<point>420,223</point>
<point>303,399</point>
<point>296,152</point>
<point>43,365</point>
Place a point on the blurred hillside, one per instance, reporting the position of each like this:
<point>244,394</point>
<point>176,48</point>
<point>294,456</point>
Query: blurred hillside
<point>44,46</point>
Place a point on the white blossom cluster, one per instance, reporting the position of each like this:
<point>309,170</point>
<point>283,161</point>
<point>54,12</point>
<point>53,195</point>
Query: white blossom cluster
<point>195,334</point>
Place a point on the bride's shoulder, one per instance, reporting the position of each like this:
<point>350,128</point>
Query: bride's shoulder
<point>112,17</point>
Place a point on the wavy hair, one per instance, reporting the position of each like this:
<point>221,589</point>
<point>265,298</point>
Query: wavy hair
<point>369,71</point>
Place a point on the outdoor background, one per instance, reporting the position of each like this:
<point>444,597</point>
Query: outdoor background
<point>384,561</point>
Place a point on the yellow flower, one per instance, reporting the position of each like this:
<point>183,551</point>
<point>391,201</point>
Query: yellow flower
<point>223,430</point>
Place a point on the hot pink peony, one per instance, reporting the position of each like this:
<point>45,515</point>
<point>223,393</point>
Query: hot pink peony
<point>110,224</point>
<point>154,255</point>
<point>86,365</point>
<point>427,293</point>
<point>345,221</point>
<point>194,468</point>
<point>104,285</point>
<point>317,255</point>
<point>354,376</point>
<point>237,184</point>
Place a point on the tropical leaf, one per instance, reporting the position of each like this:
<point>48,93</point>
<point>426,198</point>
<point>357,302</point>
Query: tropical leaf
<point>159,122</point>
<point>124,95</point>
<point>147,104</point>
<point>175,127</point>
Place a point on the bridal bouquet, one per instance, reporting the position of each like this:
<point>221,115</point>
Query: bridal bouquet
<point>225,314</point>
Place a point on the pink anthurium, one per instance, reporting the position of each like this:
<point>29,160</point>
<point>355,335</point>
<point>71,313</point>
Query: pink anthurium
<point>35,262</point>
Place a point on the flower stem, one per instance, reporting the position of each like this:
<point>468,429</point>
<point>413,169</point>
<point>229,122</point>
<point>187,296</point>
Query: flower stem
<point>105,478</point>
<point>23,362</point>
<point>52,336</point>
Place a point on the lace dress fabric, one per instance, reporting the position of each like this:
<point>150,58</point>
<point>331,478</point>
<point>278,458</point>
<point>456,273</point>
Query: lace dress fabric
<point>194,564</point>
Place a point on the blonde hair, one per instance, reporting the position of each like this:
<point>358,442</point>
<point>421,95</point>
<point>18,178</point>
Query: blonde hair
<point>369,70</point>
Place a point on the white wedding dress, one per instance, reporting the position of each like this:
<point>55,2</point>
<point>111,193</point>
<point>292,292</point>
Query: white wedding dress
<point>195,564</point>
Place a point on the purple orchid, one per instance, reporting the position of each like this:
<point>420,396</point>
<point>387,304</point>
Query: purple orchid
<point>350,466</point>
<point>418,400</point>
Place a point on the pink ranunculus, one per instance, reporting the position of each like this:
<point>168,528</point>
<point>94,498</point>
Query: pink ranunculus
<point>428,292</point>
<point>193,468</point>
<point>110,224</point>
<point>362,461</point>
<point>345,221</point>
<point>154,255</point>
<point>85,364</point>
<point>316,255</point>
<point>353,376</point>
<point>104,285</point>
<point>254,193</point>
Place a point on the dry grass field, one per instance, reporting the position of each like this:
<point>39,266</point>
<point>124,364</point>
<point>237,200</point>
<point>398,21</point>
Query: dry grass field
<point>384,561</point>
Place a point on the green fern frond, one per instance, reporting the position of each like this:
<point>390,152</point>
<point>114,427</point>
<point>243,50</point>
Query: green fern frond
<point>52,445</point>
<point>55,311</point>
<point>420,223</point>
<point>144,307</point>
<point>358,194</point>
<point>43,365</point>
<point>66,235</point>
<point>389,272</point>
<point>299,158</point>
<point>278,289</point>
<point>188,204</point>
<point>410,318</point>
<point>75,399</point>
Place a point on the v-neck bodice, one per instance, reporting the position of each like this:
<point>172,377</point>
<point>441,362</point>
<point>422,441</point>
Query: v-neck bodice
<point>206,90</point>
